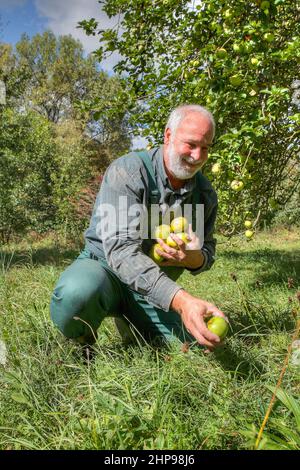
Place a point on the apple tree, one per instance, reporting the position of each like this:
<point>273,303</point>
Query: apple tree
<point>240,60</point>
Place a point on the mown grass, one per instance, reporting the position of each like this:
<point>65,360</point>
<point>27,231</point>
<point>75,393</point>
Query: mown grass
<point>139,397</point>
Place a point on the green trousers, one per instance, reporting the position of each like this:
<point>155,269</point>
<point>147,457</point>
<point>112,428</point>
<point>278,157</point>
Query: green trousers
<point>88,291</point>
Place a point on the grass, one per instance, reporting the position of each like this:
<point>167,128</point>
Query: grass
<point>139,397</point>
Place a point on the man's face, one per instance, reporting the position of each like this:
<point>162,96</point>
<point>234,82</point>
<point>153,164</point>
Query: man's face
<point>187,148</point>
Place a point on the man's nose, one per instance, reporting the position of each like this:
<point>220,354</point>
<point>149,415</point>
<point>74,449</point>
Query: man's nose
<point>198,154</point>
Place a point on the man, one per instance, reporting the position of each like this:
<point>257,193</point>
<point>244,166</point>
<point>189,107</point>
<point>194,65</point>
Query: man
<point>114,276</point>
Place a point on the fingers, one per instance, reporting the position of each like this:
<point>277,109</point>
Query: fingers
<point>215,312</point>
<point>170,253</point>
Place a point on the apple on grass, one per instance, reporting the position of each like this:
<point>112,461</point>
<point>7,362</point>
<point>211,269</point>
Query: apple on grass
<point>249,234</point>
<point>218,326</point>
<point>248,223</point>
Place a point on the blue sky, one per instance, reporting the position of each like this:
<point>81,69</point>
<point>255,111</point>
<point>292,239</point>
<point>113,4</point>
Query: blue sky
<point>61,16</point>
<point>19,17</point>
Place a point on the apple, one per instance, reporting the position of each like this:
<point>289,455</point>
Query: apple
<point>162,231</point>
<point>183,236</point>
<point>216,168</point>
<point>248,223</point>
<point>237,185</point>
<point>254,61</point>
<point>269,37</point>
<point>180,224</point>
<point>154,255</point>
<point>236,80</point>
<point>249,234</point>
<point>170,242</point>
<point>218,326</point>
<point>237,48</point>
<point>221,53</point>
<point>264,5</point>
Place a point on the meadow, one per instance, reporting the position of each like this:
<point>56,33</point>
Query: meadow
<point>139,397</point>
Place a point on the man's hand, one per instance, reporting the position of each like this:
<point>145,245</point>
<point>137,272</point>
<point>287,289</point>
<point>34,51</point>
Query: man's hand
<point>193,312</point>
<point>186,255</point>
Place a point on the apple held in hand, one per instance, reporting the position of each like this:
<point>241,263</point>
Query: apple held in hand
<point>218,326</point>
<point>180,224</point>
<point>154,255</point>
<point>162,231</point>
<point>183,236</point>
<point>170,242</point>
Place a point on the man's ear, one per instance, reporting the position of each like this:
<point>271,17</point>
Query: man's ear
<point>167,136</point>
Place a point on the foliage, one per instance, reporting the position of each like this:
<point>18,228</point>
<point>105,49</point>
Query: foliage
<point>280,435</point>
<point>26,164</point>
<point>52,148</point>
<point>238,58</point>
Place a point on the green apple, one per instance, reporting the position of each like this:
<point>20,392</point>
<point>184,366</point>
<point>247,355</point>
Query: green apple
<point>154,255</point>
<point>254,61</point>
<point>249,234</point>
<point>269,37</point>
<point>170,242</point>
<point>237,47</point>
<point>236,80</point>
<point>162,231</point>
<point>218,326</point>
<point>221,53</point>
<point>183,236</point>
<point>264,5</point>
<point>216,168</point>
<point>248,223</point>
<point>180,224</point>
<point>237,185</point>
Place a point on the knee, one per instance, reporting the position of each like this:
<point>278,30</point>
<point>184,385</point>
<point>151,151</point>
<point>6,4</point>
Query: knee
<point>67,302</point>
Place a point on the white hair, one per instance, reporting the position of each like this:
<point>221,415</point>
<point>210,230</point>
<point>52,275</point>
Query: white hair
<point>179,113</point>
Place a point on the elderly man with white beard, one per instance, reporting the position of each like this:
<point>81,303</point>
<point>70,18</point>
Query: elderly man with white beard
<point>114,274</point>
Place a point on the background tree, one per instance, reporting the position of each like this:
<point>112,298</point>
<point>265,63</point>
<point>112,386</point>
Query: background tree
<point>238,58</point>
<point>52,148</point>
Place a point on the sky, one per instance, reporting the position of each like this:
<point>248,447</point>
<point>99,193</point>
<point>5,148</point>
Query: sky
<point>61,16</point>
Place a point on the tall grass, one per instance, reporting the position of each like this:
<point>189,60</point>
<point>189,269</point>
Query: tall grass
<point>139,397</point>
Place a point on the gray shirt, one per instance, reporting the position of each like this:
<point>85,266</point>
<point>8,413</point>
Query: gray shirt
<point>127,255</point>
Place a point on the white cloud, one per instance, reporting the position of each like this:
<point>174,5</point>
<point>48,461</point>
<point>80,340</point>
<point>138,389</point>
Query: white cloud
<point>63,17</point>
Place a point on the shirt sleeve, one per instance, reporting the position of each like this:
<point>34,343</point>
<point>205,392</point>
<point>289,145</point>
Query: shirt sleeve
<point>121,197</point>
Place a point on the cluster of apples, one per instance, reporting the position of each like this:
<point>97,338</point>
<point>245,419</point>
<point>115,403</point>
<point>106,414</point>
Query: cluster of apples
<point>179,226</point>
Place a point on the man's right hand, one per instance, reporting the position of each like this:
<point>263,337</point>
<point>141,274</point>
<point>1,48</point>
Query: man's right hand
<point>193,312</point>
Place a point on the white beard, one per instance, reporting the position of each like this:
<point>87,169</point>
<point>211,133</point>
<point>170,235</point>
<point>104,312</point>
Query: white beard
<point>177,166</point>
